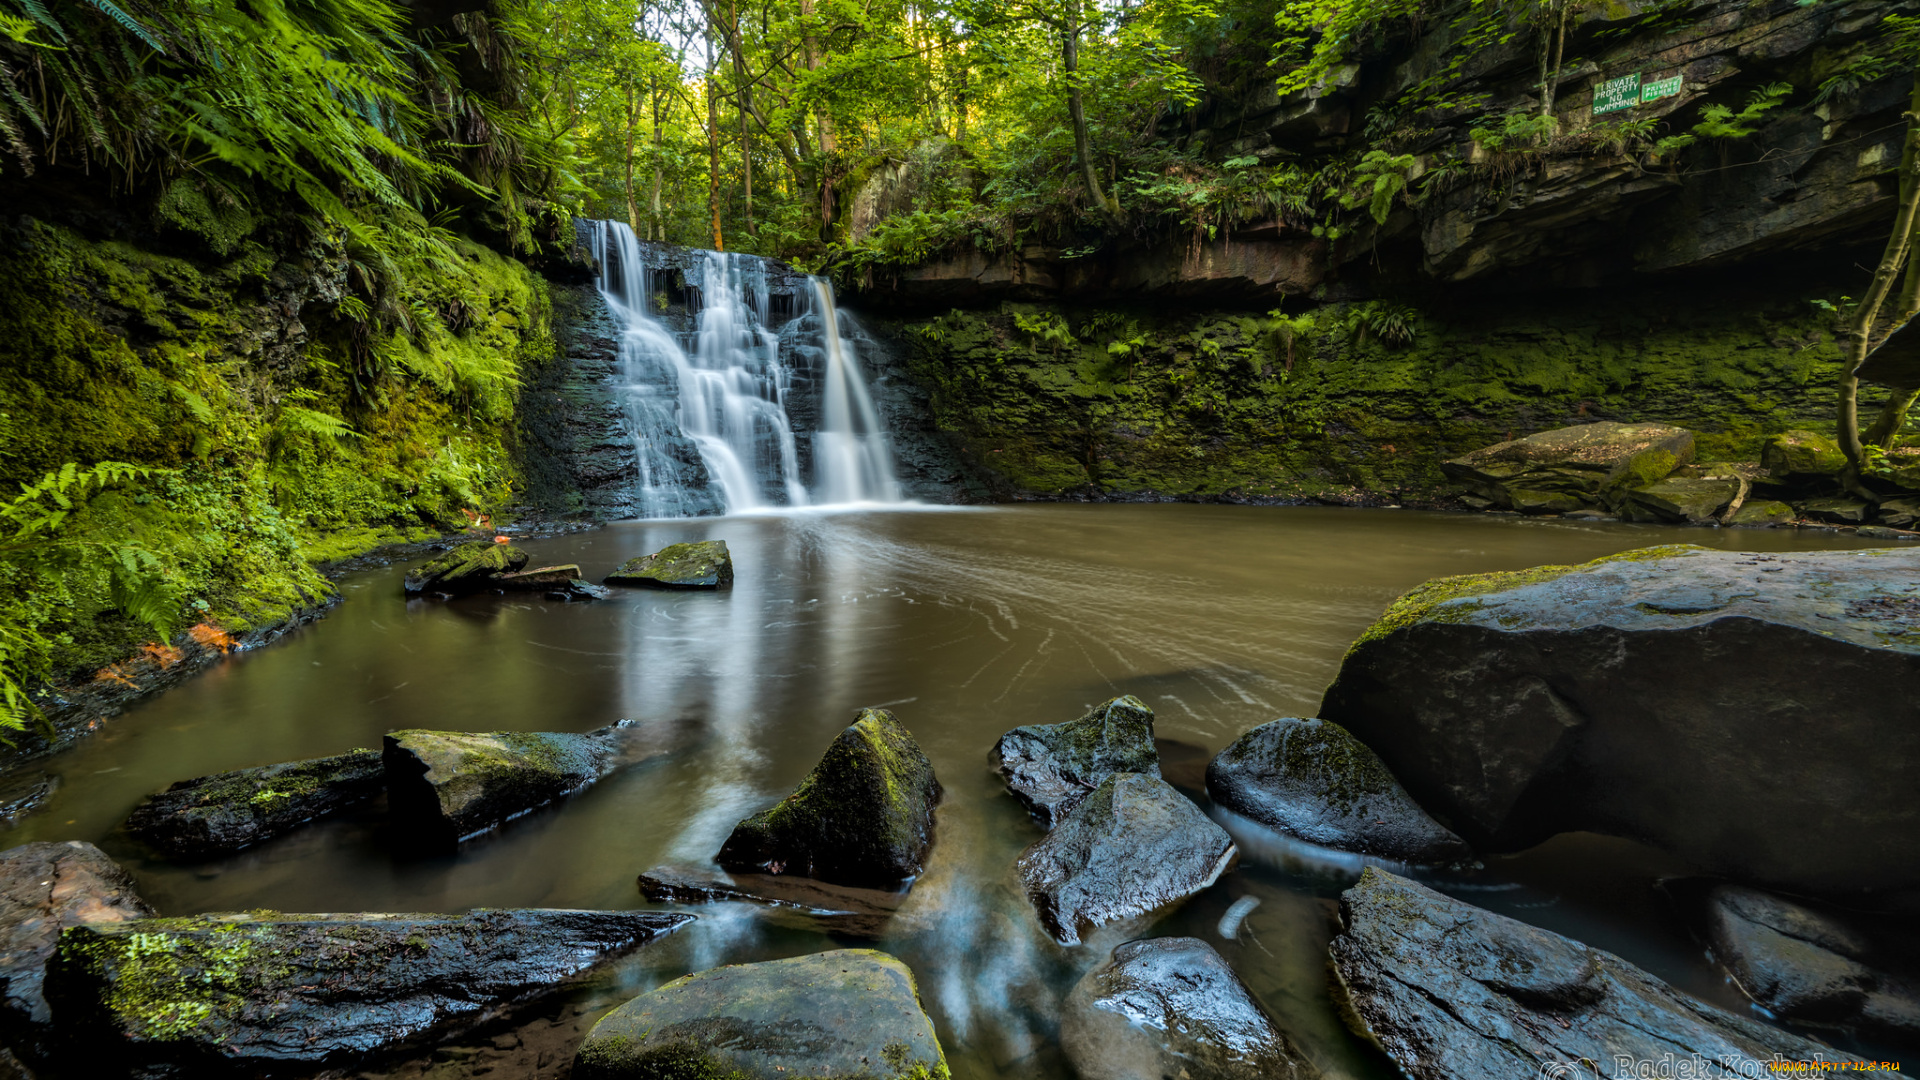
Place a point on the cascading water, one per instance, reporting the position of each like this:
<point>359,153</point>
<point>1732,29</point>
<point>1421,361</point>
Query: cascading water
<point>707,407</point>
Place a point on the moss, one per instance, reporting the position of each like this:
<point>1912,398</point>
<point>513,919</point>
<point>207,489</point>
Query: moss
<point>173,976</point>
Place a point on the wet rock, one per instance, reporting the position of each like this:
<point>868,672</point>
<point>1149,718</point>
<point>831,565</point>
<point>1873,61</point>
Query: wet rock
<point>1639,695</point>
<point>46,887</point>
<point>1807,965</point>
<point>1572,468</point>
<point>577,590</point>
<point>447,786</point>
<point>1133,846</point>
<point>1901,513</point>
<point>222,813</point>
<point>1313,780</point>
<point>23,793</point>
<point>1840,509</point>
<point>846,1013</point>
<point>246,993</point>
<point>1051,767</point>
<point>1761,513</point>
<point>539,578</point>
<point>1452,992</point>
<point>1881,532</point>
<point>862,817</point>
<point>703,564</point>
<point>467,568</point>
<point>1801,457</point>
<point>1172,1007</point>
<point>1681,500</point>
<point>836,909</point>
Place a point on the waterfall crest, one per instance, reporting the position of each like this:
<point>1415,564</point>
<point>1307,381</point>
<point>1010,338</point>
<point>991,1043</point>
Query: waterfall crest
<point>708,394</point>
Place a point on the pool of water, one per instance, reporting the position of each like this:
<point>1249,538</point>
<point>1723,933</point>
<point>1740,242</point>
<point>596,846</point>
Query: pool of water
<point>965,623</point>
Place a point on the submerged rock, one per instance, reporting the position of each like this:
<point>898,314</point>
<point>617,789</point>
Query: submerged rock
<point>1452,992</point>
<point>1640,695</point>
<point>1572,467</point>
<point>254,991</point>
<point>1172,1007</point>
<point>1313,780</point>
<point>852,1013</point>
<point>46,887</point>
<point>447,786</point>
<point>222,813</point>
<point>467,568</point>
<point>1807,965</point>
<point>539,578</point>
<point>1132,847</point>
<point>862,817</point>
<point>837,909</point>
<point>703,564</point>
<point>1051,767</point>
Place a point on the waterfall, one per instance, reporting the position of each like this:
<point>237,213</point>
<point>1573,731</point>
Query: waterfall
<point>705,396</point>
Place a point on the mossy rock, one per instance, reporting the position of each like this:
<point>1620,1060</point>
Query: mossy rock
<point>265,993</point>
<point>1760,513</point>
<point>1840,509</point>
<point>850,1014</point>
<point>1131,848</point>
<point>1313,780</point>
<point>703,564</point>
<point>1799,457</point>
<point>222,813</point>
<point>1051,767</point>
<point>467,568</point>
<point>862,817</point>
<point>1680,500</point>
<point>46,887</point>
<point>447,786</point>
<point>1574,467</point>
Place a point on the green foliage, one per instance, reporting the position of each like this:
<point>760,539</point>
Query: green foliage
<point>1378,179</point>
<point>1721,122</point>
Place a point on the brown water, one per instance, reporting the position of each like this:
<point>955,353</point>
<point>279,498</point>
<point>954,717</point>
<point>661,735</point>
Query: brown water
<point>965,623</point>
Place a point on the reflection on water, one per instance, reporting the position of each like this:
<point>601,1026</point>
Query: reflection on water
<point>965,623</point>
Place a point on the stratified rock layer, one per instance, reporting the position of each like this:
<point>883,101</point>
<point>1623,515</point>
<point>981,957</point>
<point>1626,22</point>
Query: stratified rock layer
<point>1172,1007</point>
<point>214,815</point>
<point>1568,468</point>
<point>1728,707</point>
<point>1051,767</point>
<point>862,817</point>
<point>1452,992</point>
<point>46,887</point>
<point>703,564</point>
<point>1313,780</point>
<point>447,786</point>
<point>255,991</point>
<point>1132,847</point>
<point>849,1013</point>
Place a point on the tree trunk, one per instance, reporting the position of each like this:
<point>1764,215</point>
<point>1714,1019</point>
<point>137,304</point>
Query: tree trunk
<point>1866,314</point>
<point>745,88</point>
<point>1893,415</point>
<point>713,139</point>
<point>633,123</point>
<point>1550,73</point>
<point>655,220</point>
<point>1076,108</point>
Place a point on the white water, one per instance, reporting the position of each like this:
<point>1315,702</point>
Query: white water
<point>708,409</point>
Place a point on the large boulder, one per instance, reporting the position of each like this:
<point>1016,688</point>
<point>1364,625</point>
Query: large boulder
<point>1132,847</point>
<point>444,787</point>
<point>1802,457</point>
<point>252,992</point>
<point>851,1013</point>
<point>862,817</point>
<point>1573,467</point>
<point>1172,1007</point>
<point>1659,695</point>
<point>1313,780</point>
<point>1806,965</point>
<point>1051,767</point>
<point>46,887</point>
<point>467,568</point>
<point>1452,992</point>
<point>222,813</point>
<point>703,564</point>
<point>1682,500</point>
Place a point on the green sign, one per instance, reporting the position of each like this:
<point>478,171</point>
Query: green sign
<point>1616,94</point>
<point>1660,88</point>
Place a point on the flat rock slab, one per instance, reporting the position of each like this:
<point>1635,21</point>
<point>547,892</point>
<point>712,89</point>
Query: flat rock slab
<point>1452,992</point>
<point>1051,767</point>
<point>1132,847</point>
<point>838,909</point>
<point>447,786</point>
<point>1312,780</point>
<point>1681,499</point>
<point>1802,457</point>
<point>1570,467</point>
<point>848,1013</point>
<point>1172,1007</point>
<point>862,817</point>
<point>249,992</point>
<point>1660,695</point>
<point>539,578</point>
<point>225,812</point>
<point>46,887</point>
<point>467,568</point>
<point>703,564</point>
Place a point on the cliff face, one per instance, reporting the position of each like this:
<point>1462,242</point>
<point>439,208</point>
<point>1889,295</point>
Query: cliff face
<point>1591,205</point>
